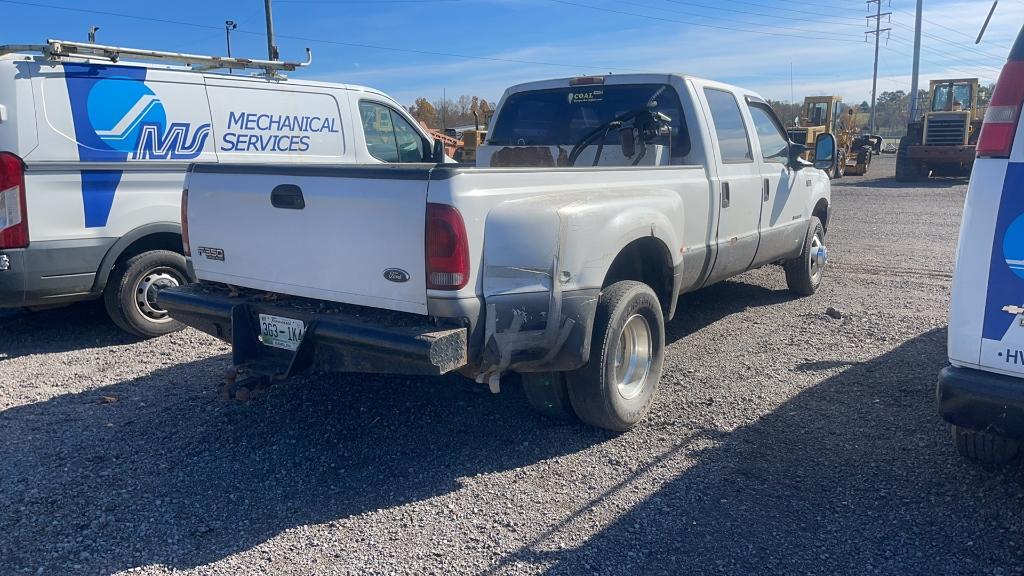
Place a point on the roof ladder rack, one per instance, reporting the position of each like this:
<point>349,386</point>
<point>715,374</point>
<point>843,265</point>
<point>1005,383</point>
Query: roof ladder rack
<point>65,48</point>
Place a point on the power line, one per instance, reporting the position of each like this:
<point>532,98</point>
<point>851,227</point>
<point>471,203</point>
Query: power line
<point>318,40</point>
<point>961,46</point>
<point>759,14</point>
<point>800,32</point>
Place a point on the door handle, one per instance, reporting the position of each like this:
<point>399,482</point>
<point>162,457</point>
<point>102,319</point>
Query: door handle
<point>725,195</point>
<point>287,197</point>
<point>767,189</point>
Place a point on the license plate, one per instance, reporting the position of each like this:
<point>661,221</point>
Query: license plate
<point>281,332</point>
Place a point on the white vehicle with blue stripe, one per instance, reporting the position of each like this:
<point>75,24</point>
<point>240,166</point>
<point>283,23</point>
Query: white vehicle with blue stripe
<point>982,393</point>
<point>93,154</point>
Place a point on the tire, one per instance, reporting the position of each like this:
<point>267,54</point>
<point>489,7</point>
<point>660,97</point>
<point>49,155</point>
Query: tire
<point>907,170</point>
<point>144,275</point>
<point>983,448</point>
<point>548,394</point>
<point>803,273</point>
<point>604,393</point>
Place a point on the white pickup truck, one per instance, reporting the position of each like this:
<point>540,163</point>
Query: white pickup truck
<point>594,204</point>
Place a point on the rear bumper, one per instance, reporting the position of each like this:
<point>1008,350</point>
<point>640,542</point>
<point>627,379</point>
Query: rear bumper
<point>959,154</point>
<point>51,272</point>
<point>981,400</point>
<point>338,337</point>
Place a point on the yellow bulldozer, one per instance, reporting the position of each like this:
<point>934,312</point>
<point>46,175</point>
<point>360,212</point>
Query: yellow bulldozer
<point>823,115</point>
<point>944,140</point>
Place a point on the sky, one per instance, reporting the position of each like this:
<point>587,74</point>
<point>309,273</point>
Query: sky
<point>411,48</point>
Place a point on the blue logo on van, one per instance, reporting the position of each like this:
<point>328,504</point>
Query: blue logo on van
<point>1013,246</point>
<point>117,117</point>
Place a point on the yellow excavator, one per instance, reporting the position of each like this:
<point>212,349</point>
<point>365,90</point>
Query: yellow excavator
<point>822,115</point>
<point>944,141</point>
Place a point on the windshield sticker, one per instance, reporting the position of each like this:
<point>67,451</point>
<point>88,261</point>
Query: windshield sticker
<point>591,96</point>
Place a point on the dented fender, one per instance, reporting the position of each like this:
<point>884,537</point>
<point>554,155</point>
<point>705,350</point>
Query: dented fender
<point>544,261</point>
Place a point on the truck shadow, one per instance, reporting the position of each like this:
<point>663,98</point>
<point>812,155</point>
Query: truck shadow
<point>854,475</point>
<point>700,309</point>
<point>80,326</point>
<point>157,470</point>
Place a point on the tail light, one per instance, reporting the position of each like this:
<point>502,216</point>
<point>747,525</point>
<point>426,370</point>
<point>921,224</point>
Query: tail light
<point>447,248</point>
<point>1000,126</point>
<point>184,223</point>
<point>13,211</point>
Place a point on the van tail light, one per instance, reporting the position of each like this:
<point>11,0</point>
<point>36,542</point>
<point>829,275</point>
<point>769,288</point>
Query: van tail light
<point>1000,126</point>
<point>447,248</point>
<point>13,210</point>
<point>184,223</point>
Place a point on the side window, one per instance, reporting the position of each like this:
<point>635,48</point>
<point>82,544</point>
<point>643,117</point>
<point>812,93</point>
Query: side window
<point>774,145</point>
<point>732,133</point>
<point>379,131</point>
<point>411,147</point>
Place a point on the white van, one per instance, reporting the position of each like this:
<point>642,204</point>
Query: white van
<point>982,393</point>
<point>93,154</point>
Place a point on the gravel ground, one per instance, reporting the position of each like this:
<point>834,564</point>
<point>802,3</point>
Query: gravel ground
<point>782,441</point>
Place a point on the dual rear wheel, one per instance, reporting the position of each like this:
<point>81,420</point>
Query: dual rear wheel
<point>616,388</point>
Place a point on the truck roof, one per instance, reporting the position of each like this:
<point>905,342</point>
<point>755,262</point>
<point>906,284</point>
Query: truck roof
<point>613,79</point>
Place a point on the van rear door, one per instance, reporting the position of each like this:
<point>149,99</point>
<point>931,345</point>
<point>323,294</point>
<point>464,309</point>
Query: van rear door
<point>987,311</point>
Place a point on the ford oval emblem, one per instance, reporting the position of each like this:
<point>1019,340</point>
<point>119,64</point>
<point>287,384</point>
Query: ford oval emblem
<point>396,275</point>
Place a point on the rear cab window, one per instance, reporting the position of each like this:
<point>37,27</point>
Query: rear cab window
<point>564,116</point>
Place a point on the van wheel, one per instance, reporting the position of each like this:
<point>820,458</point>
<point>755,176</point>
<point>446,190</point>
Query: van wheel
<point>548,394</point>
<point>984,448</point>
<point>803,273</point>
<point>130,295</point>
<point>616,387</point>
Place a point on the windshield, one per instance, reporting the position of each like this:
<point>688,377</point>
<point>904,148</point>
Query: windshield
<point>564,116</point>
<point>952,97</point>
<point>817,113</point>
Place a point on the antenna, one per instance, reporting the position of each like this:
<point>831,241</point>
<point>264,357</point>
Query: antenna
<point>92,33</point>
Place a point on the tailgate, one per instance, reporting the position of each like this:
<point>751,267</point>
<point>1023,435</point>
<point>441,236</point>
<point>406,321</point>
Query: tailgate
<point>346,234</point>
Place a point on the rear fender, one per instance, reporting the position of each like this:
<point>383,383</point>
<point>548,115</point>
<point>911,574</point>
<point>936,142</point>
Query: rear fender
<point>545,259</point>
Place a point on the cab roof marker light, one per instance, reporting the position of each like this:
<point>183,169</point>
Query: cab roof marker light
<point>586,81</point>
<point>1000,125</point>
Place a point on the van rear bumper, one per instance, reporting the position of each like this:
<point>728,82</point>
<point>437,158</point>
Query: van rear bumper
<point>980,400</point>
<point>338,337</point>
<point>51,272</point>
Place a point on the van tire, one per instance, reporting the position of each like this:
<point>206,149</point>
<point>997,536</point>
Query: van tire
<point>597,396</point>
<point>801,277</point>
<point>141,276</point>
<point>984,448</point>
<point>548,394</point>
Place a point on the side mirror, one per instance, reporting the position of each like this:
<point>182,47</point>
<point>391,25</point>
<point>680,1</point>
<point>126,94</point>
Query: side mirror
<point>437,154</point>
<point>825,152</point>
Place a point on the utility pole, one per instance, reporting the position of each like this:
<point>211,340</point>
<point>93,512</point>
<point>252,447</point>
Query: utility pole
<point>877,16</point>
<point>229,25</point>
<point>917,61</point>
<point>272,52</point>
<point>92,34</point>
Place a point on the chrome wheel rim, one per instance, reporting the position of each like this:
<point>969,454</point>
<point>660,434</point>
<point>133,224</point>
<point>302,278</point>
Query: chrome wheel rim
<point>818,256</point>
<point>147,288</point>
<point>633,357</point>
